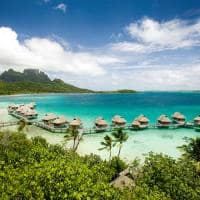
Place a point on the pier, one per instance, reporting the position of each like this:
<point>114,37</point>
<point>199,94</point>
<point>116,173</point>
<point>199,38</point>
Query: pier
<point>5,124</point>
<point>50,128</point>
<point>55,124</point>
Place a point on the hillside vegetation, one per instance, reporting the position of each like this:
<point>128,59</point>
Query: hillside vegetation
<point>34,169</point>
<point>34,81</point>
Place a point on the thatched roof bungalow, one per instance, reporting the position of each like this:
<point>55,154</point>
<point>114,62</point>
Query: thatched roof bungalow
<point>178,117</point>
<point>76,122</point>
<point>100,124</point>
<point>197,120</point>
<point>164,121</point>
<point>60,122</point>
<point>49,118</point>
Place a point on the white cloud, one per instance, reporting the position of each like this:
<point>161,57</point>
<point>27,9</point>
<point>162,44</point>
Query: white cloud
<point>149,35</point>
<point>48,55</point>
<point>62,7</point>
<point>103,69</point>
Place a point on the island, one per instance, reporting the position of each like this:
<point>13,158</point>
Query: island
<point>32,81</point>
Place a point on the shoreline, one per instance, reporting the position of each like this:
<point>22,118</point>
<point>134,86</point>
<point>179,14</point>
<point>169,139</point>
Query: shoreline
<point>98,92</point>
<point>138,144</point>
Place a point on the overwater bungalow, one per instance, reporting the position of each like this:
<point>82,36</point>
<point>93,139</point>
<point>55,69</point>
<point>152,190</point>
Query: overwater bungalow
<point>12,108</point>
<point>140,122</point>
<point>163,122</point>
<point>179,118</point>
<point>100,125</point>
<point>197,121</point>
<point>76,122</point>
<point>31,105</point>
<point>144,121</point>
<point>135,125</point>
<point>118,121</point>
<point>31,114</point>
<point>48,118</point>
<point>60,122</point>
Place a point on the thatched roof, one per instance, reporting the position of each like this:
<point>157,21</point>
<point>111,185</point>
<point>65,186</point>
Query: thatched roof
<point>101,122</point>
<point>120,120</point>
<point>197,119</point>
<point>13,106</point>
<point>116,117</point>
<point>178,115</point>
<point>75,122</point>
<point>49,117</point>
<point>30,112</point>
<point>135,123</point>
<point>164,119</point>
<point>60,120</point>
<point>123,181</point>
<point>143,119</point>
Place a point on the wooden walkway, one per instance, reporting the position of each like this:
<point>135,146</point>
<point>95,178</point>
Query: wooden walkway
<point>5,124</point>
<point>50,128</point>
<point>87,131</point>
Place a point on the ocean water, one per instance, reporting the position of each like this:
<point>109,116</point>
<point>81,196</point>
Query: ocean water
<point>89,106</point>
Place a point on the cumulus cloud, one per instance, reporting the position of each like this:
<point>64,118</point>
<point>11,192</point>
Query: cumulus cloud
<point>62,7</point>
<point>48,55</point>
<point>105,69</point>
<point>148,35</point>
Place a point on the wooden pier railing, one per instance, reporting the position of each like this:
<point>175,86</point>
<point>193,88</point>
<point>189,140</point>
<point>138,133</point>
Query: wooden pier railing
<point>4,124</point>
<point>84,131</point>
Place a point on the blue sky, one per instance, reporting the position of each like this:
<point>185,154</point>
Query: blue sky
<point>105,44</point>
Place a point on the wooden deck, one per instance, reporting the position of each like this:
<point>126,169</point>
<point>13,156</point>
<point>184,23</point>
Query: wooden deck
<point>50,128</point>
<point>87,131</point>
<point>5,124</point>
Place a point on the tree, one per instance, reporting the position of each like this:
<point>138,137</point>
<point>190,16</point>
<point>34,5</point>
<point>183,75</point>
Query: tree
<point>73,133</point>
<point>192,149</point>
<point>22,125</point>
<point>107,144</point>
<point>120,137</point>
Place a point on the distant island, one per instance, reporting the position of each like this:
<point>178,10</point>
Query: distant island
<point>35,81</point>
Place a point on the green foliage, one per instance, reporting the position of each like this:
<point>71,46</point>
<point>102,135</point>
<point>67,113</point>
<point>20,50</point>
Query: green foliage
<point>12,82</point>
<point>118,165</point>
<point>22,125</point>
<point>73,133</point>
<point>27,87</point>
<point>107,144</point>
<point>34,169</point>
<point>119,138</point>
<point>192,149</point>
<point>177,179</point>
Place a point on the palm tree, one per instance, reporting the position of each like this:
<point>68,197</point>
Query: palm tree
<point>22,125</point>
<point>73,133</point>
<point>120,137</point>
<point>192,149</point>
<point>107,144</point>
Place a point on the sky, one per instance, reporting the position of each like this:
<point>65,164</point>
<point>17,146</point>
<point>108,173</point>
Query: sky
<point>105,44</point>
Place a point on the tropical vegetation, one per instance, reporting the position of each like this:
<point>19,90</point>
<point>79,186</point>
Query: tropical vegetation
<point>35,169</point>
<point>34,81</point>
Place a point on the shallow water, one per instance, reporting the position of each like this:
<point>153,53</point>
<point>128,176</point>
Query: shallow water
<point>90,106</point>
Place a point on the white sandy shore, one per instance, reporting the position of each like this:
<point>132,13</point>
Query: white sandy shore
<point>138,144</point>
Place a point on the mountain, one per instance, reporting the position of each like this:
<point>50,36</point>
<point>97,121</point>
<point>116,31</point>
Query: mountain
<point>32,75</point>
<point>34,81</point>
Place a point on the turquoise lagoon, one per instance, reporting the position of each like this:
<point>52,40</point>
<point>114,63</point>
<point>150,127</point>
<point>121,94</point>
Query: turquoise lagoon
<point>90,106</point>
